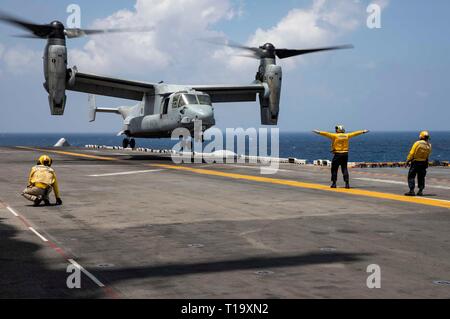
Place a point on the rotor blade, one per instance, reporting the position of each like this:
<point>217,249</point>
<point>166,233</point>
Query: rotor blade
<point>77,33</point>
<point>26,36</point>
<point>236,45</point>
<point>250,55</point>
<point>287,53</point>
<point>255,52</point>
<point>39,30</point>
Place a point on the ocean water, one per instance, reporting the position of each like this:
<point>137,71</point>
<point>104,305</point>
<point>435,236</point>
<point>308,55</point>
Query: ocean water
<point>373,147</point>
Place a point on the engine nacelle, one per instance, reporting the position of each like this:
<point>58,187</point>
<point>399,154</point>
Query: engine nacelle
<point>272,75</point>
<point>55,70</point>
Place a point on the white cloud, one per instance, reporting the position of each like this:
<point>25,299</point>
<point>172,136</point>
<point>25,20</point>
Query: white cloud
<point>322,24</point>
<point>172,46</point>
<point>19,59</point>
<point>177,24</point>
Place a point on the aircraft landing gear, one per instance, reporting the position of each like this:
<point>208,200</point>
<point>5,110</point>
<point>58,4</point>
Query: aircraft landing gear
<point>129,143</point>
<point>198,137</point>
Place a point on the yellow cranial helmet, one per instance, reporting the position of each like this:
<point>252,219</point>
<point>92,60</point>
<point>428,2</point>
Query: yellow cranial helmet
<point>340,129</point>
<point>424,135</point>
<point>45,160</point>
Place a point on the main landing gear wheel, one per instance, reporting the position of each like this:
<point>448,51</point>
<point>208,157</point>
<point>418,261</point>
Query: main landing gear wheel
<point>129,143</point>
<point>133,143</point>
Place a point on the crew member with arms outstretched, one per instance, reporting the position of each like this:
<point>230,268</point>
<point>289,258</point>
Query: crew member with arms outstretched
<point>340,149</point>
<point>41,182</point>
<point>418,158</point>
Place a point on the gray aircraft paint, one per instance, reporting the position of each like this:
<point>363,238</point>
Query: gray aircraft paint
<point>158,113</point>
<point>55,71</point>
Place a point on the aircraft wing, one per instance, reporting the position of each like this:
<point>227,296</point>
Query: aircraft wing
<point>101,85</point>
<point>232,93</point>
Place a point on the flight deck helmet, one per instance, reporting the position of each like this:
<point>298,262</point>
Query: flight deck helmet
<point>340,129</point>
<point>424,135</point>
<point>45,160</point>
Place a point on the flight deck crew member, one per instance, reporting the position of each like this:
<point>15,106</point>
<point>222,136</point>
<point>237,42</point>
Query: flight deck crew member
<point>340,149</point>
<point>419,158</point>
<point>41,182</point>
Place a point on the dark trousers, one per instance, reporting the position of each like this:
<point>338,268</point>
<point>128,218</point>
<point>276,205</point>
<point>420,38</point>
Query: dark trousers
<point>342,161</point>
<point>418,169</point>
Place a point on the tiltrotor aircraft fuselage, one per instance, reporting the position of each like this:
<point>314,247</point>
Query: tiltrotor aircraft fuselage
<point>161,108</point>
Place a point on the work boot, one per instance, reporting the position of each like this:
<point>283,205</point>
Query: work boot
<point>347,185</point>
<point>37,202</point>
<point>420,192</point>
<point>46,202</point>
<point>334,185</point>
<point>410,193</point>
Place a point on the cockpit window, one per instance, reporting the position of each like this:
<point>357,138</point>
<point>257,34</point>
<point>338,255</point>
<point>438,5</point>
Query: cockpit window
<point>190,98</point>
<point>175,101</point>
<point>182,102</point>
<point>204,99</point>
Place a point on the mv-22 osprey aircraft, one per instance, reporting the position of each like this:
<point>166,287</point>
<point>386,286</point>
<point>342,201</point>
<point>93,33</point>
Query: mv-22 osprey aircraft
<point>162,108</point>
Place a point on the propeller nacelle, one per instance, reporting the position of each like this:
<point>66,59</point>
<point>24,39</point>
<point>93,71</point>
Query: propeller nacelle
<point>271,74</point>
<point>267,51</point>
<point>268,47</point>
<point>58,30</point>
<point>55,54</point>
<point>57,24</point>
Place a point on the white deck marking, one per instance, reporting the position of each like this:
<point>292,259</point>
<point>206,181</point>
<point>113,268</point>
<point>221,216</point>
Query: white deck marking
<point>87,273</point>
<point>37,234</point>
<point>12,211</point>
<point>127,173</point>
<point>268,168</point>
<point>397,182</point>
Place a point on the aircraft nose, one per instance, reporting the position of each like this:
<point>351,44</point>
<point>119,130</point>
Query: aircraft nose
<point>204,113</point>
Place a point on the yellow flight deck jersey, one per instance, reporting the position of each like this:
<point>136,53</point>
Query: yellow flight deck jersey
<point>42,176</point>
<point>420,152</point>
<point>340,143</point>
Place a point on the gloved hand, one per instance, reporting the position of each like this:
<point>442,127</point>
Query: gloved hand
<point>58,201</point>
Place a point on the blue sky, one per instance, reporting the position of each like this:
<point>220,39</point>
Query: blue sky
<point>396,78</point>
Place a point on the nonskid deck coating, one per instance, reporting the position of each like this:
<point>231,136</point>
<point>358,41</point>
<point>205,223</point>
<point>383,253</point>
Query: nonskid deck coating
<point>175,233</point>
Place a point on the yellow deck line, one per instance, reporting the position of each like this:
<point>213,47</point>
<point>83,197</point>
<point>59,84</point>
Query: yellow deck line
<point>358,192</point>
<point>260,179</point>
<point>102,158</point>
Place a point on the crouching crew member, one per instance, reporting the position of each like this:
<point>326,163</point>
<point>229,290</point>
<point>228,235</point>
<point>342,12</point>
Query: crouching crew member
<point>340,149</point>
<point>41,182</point>
<point>418,158</point>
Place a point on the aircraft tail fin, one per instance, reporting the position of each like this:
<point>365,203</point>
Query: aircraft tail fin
<point>93,109</point>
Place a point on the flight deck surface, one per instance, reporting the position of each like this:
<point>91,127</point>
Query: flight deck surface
<point>140,226</point>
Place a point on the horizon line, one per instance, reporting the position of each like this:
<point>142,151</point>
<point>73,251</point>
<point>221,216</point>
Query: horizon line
<point>281,131</point>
